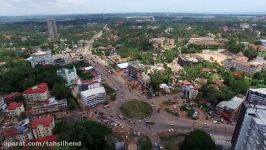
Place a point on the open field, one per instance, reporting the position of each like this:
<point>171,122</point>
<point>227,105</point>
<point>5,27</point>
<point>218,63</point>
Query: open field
<point>218,56</point>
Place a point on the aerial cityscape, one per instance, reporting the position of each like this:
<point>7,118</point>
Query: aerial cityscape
<point>134,79</point>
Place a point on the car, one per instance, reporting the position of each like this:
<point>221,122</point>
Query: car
<point>120,117</point>
<point>171,130</point>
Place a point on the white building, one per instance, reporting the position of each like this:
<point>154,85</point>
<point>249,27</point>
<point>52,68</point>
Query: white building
<point>250,130</point>
<point>70,75</point>
<point>24,132</point>
<point>84,85</point>
<point>92,97</point>
<point>42,57</point>
<point>42,126</point>
<point>15,109</point>
<point>2,104</point>
<point>244,26</point>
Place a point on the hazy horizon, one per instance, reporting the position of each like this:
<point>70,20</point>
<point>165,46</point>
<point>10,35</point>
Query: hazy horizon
<point>61,7</point>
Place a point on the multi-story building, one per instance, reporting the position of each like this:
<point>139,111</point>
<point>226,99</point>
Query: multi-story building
<point>240,63</point>
<point>229,109</point>
<point>36,93</point>
<point>24,131</point>
<point>2,104</point>
<point>244,26</point>
<point>70,75</point>
<point>206,41</point>
<point>162,43</point>
<point>52,29</point>
<point>10,97</point>
<point>42,57</point>
<point>62,59</point>
<point>52,105</point>
<point>84,85</point>
<point>42,126</point>
<point>190,91</point>
<point>15,109</point>
<point>188,59</point>
<point>92,97</point>
<point>250,129</point>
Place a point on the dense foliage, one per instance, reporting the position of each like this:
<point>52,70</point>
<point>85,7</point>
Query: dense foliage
<point>92,135</point>
<point>197,140</point>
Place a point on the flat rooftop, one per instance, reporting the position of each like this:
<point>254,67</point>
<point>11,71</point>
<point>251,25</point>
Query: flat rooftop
<point>93,91</point>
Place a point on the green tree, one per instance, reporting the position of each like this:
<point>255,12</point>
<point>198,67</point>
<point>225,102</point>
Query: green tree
<point>198,140</point>
<point>92,135</point>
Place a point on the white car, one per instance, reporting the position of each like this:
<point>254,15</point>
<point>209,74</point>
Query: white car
<point>171,130</point>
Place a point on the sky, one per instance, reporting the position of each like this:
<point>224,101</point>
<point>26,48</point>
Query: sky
<point>42,7</point>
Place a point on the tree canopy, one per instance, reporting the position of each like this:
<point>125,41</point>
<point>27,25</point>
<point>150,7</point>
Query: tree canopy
<point>198,140</point>
<point>92,135</point>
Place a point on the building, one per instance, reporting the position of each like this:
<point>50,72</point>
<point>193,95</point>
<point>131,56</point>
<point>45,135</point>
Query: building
<point>84,85</point>
<point>250,128</point>
<point>204,41</point>
<point>188,59</point>
<point>92,97</point>
<point>229,109</point>
<point>36,93</point>
<point>42,126</point>
<point>3,105</point>
<point>15,109</point>
<point>132,70</point>
<point>244,26</point>
<point>70,75</point>
<point>162,43</point>
<point>241,63</point>
<point>10,97</point>
<point>62,59</point>
<point>49,106</point>
<point>67,58</point>
<point>263,41</point>
<point>52,29</point>
<point>42,57</point>
<point>24,131</point>
<point>190,90</point>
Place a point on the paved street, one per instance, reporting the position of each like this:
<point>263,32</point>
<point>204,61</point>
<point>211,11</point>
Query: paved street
<point>163,121</point>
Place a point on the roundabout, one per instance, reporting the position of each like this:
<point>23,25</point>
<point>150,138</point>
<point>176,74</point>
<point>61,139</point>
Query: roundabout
<point>136,109</point>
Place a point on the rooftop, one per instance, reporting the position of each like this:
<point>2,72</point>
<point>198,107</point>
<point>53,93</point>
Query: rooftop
<point>259,90</point>
<point>40,88</point>
<point>234,103</point>
<point>42,120</point>
<point>50,138</point>
<point>93,91</point>
<point>14,105</point>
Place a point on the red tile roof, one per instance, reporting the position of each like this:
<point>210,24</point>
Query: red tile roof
<point>50,138</point>
<point>196,87</point>
<point>9,132</point>
<point>11,96</point>
<point>185,82</point>
<point>13,105</point>
<point>44,120</point>
<point>88,81</point>
<point>40,88</point>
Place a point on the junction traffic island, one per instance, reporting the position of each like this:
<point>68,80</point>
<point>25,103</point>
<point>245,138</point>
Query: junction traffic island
<point>136,109</point>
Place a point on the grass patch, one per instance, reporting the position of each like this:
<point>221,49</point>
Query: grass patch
<point>136,109</point>
<point>262,54</point>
